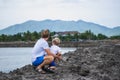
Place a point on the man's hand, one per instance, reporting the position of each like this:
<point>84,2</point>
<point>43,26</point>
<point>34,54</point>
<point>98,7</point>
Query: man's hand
<point>58,58</point>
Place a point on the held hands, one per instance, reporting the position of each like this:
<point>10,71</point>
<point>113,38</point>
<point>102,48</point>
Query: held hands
<point>56,56</point>
<point>59,57</point>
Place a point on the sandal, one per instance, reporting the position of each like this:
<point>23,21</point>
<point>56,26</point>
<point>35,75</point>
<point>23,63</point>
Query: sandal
<point>48,70</point>
<point>40,71</point>
<point>52,67</point>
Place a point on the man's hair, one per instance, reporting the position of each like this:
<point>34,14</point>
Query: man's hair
<point>56,41</point>
<point>45,33</point>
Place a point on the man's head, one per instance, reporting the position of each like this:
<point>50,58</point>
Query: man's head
<point>45,33</point>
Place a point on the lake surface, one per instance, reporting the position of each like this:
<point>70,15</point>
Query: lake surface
<point>13,58</point>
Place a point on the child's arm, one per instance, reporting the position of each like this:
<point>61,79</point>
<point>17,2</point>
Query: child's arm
<point>59,54</point>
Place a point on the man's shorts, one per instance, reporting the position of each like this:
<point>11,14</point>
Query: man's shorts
<point>38,61</point>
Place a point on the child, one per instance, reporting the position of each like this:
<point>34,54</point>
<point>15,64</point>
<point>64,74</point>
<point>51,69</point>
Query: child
<point>55,49</point>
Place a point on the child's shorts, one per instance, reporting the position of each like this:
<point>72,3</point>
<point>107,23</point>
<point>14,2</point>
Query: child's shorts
<point>52,63</point>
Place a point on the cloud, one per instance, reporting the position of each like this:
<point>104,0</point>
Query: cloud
<point>105,12</point>
<point>70,1</point>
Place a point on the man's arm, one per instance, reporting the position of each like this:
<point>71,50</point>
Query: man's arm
<point>49,53</point>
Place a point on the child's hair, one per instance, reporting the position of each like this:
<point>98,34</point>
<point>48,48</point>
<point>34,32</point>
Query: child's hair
<point>45,33</point>
<point>56,41</point>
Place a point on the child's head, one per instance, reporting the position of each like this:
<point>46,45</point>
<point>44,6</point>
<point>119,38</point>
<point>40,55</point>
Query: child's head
<point>56,41</point>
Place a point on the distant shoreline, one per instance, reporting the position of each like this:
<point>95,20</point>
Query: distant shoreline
<point>86,43</point>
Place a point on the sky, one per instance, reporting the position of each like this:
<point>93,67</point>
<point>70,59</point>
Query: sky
<point>103,12</point>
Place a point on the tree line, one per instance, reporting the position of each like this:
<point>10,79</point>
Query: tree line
<point>33,36</point>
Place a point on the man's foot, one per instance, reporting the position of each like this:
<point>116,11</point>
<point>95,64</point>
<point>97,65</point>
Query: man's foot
<point>40,70</point>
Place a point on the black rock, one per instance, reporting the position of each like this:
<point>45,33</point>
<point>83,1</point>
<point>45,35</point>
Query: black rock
<point>86,63</point>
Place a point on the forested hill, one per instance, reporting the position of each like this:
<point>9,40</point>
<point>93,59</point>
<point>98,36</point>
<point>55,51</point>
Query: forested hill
<point>60,25</point>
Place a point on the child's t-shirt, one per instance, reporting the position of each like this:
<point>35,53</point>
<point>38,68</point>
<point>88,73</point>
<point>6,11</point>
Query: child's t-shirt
<point>55,49</point>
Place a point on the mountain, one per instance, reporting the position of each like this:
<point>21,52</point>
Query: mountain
<point>60,25</point>
<point>116,30</point>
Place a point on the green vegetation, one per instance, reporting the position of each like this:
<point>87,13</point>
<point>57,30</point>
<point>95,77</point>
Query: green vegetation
<point>33,36</point>
<point>26,36</point>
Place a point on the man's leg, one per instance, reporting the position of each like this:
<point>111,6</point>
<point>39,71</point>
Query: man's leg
<point>47,60</point>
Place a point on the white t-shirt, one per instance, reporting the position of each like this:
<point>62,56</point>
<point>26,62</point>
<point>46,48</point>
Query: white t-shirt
<point>39,49</point>
<point>55,49</point>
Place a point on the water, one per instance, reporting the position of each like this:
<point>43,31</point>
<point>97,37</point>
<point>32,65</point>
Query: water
<point>12,58</point>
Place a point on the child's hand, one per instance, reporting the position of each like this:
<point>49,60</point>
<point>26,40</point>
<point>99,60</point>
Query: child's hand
<point>59,57</point>
<point>58,54</point>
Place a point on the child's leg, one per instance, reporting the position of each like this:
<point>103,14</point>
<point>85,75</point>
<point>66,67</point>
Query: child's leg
<point>52,65</point>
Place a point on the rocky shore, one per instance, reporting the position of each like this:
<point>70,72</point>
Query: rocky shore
<point>100,62</point>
